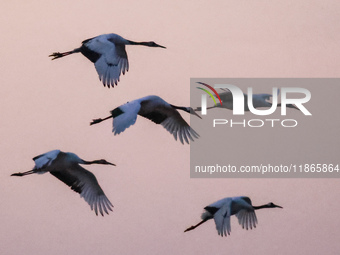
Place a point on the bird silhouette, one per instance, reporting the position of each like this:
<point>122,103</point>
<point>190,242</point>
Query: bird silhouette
<point>221,211</point>
<point>65,166</point>
<point>108,54</point>
<point>157,110</point>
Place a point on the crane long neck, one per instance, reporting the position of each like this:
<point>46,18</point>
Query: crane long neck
<point>25,173</point>
<point>91,162</point>
<point>179,107</point>
<point>260,207</point>
<point>138,43</point>
<point>98,161</point>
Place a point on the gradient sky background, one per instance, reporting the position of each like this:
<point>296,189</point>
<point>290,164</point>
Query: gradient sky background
<point>48,105</point>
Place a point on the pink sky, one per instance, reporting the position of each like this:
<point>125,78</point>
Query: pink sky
<point>48,105</point>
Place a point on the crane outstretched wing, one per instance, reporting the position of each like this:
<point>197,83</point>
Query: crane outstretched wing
<point>46,159</point>
<point>247,219</point>
<point>171,120</point>
<point>222,220</point>
<point>124,116</point>
<point>110,65</point>
<point>85,183</point>
<point>112,62</point>
<point>178,127</point>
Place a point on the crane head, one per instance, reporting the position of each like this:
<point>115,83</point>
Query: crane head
<point>103,162</point>
<point>153,44</point>
<point>272,205</point>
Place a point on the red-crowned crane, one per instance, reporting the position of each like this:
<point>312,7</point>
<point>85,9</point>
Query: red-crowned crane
<point>65,166</point>
<point>221,211</point>
<point>157,110</point>
<point>108,54</point>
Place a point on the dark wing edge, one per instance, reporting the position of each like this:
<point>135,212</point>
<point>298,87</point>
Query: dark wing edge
<point>222,221</point>
<point>85,183</point>
<point>247,219</point>
<point>172,121</point>
<point>178,127</point>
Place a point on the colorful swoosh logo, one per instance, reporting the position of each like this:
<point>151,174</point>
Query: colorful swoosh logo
<point>212,89</point>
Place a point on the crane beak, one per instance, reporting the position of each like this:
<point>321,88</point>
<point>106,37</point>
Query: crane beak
<point>107,163</point>
<point>17,174</point>
<point>192,111</point>
<point>279,206</point>
<point>157,45</point>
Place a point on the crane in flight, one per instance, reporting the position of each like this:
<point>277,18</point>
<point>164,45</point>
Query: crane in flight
<point>221,211</point>
<point>157,110</point>
<point>65,166</point>
<point>108,54</point>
